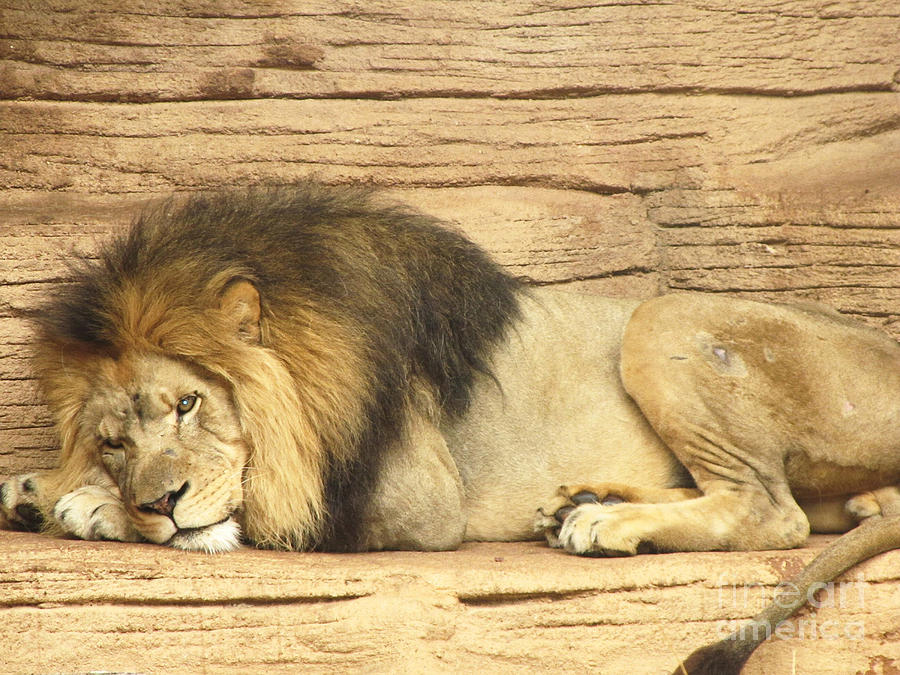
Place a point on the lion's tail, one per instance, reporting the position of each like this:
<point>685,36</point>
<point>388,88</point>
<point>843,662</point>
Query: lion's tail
<point>875,535</point>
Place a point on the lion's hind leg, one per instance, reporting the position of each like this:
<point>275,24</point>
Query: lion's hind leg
<point>707,373</point>
<point>746,504</point>
<point>840,513</point>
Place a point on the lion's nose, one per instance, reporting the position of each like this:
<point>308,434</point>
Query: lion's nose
<point>165,505</point>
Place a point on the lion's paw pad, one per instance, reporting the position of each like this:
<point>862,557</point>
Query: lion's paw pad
<point>18,502</point>
<point>93,512</point>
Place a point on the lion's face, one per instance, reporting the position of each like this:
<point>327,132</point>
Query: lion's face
<point>169,436</point>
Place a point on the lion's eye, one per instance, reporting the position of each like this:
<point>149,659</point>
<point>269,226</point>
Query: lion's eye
<point>186,404</point>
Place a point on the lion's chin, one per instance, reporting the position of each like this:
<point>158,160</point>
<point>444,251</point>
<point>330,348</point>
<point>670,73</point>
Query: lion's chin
<point>219,537</point>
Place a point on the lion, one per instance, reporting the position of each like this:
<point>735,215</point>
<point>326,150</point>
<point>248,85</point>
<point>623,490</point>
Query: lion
<point>315,368</point>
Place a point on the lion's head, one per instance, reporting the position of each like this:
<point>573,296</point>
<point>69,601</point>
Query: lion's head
<point>169,436</point>
<point>243,359</point>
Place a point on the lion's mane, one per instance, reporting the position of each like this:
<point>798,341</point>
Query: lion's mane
<point>364,305</point>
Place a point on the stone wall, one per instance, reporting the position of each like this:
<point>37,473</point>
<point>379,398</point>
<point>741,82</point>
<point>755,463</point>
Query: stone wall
<point>619,147</point>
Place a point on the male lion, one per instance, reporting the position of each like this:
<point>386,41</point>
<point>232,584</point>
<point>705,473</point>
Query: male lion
<point>311,368</point>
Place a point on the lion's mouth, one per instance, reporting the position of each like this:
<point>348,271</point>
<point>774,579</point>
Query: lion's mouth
<point>219,537</point>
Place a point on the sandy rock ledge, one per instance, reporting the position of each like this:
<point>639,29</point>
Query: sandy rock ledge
<point>73,606</point>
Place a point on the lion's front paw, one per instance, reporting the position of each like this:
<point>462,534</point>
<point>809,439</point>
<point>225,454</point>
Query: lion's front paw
<point>93,512</point>
<point>552,516</point>
<point>601,530</point>
<point>19,502</point>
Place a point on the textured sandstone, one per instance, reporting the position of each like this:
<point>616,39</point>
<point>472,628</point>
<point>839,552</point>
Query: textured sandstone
<point>620,147</point>
<point>488,607</point>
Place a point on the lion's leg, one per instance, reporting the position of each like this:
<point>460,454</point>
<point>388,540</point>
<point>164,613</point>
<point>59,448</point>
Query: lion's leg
<point>697,369</point>
<point>551,515</point>
<point>418,500</point>
<point>95,512</point>
<point>27,500</point>
<point>711,403</point>
<point>833,515</point>
<point>839,514</point>
<point>746,503</point>
<point>69,500</point>
<point>718,521</point>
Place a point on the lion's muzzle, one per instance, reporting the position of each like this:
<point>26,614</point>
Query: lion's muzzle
<point>165,505</point>
<point>170,520</point>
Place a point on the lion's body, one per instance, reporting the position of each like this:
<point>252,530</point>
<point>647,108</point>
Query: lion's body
<point>326,372</point>
<point>560,416</point>
<point>811,395</point>
<point>553,411</point>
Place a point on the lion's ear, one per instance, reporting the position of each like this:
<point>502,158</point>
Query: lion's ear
<point>240,303</point>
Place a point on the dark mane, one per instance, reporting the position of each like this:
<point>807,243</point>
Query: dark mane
<point>426,304</point>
